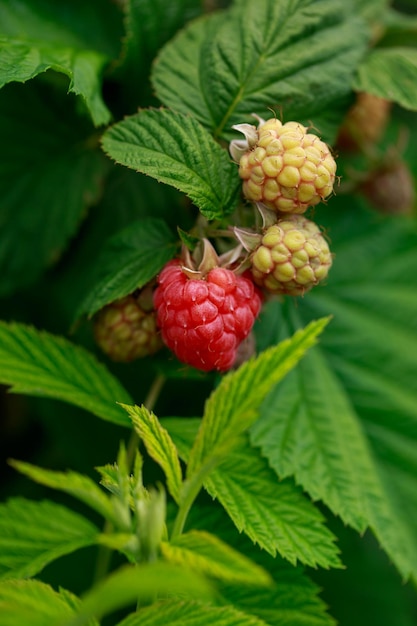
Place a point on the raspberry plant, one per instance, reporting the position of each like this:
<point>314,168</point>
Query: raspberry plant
<point>211,340</point>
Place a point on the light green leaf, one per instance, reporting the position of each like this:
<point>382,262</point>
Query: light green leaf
<point>183,613</point>
<point>33,603</point>
<point>274,514</point>
<point>295,57</point>
<point>207,554</point>
<point>73,483</point>
<point>77,40</point>
<point>142,582</point>
<point>33,534</point>
<point>39,364</point>
<point>390,73</point>
<point>176,150</point>
<point>47,187</point>
<point>234,406</point>
<point>127,261</point>
<point>159,446</point>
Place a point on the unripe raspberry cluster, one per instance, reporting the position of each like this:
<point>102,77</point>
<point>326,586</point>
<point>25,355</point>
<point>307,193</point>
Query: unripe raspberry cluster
<point>286,170</point>
<point>204,305</point>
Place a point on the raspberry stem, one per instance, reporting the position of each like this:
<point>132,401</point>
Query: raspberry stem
<point>104,554</point>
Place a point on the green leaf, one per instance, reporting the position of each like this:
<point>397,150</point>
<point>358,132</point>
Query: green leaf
<point>36,363</point>
<point>33,603</point>
<point>207,554</point>
<point>390,73</point>
<point>142,582</point>
<point>176,150</point>
<point>285,605</point>
<point>33,534</point>
<point>47,187</point>
<point>372,10</point>
<point>309,430</point>
<point>370,353</point>
<point>295,57</point>
<point>234,406</point>
<point>127,261</point>
<point>183,613</point>
<point>77,39</point>
<point>274,514</point>
<point>149,24</point>
<point>73,483</point>
<point>294,597</point>
<point>159,446</point>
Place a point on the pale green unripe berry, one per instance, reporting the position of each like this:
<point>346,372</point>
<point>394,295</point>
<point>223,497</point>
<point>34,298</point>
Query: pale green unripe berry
<point>125,331</point>
<point>287,169</point>
<point>292,257</point>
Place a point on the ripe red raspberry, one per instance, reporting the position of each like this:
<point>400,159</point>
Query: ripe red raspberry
<point>203,320</point>
<point>126,330</point>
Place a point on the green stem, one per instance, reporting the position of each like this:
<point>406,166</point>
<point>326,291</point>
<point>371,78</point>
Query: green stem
<point>191,494</point>
<point>149,403</point>
<point>104,553</point>
<point>194,485</point>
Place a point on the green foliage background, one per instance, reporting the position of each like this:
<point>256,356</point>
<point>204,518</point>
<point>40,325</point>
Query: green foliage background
<point>114,123</point>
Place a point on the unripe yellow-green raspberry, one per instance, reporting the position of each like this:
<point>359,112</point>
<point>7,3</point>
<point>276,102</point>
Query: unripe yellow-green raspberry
<point>292,257</point>
<point>125,331</point>
<point>287,168</point>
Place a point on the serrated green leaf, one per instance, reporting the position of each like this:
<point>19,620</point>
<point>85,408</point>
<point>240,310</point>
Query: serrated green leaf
<point>33,534</point>
<point>283,606</point>
<point>127,261</point>
<point>33,603</point>
<point>274,514</point>
<point>159,446</point>
<point>73,483</point>
<point>371,347</point>
<point>37,363</point>
<point>182,613</point>
<point>142,582</point>
<point>310,431</point>
<point>176,150</point>
<point>234,406</point>
<point>77,40</point>
<point>390,73</point>
<point>294,597</point>
<point>295,57</point>
<point>47,187</point>
<point>207,554</point>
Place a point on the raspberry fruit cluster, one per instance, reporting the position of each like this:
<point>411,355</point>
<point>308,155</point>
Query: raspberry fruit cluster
<point>204,306</point>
